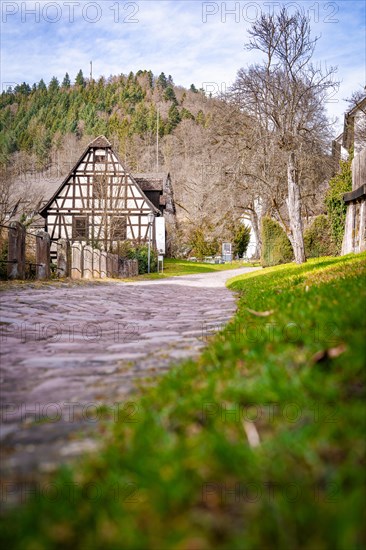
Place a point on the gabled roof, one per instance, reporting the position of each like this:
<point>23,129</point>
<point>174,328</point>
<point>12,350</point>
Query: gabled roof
<point>360,106</point>
<point>152,181</point>
<point>99,142</point>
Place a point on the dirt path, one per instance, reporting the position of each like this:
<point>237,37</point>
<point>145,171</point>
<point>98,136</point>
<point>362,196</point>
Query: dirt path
<point>65,350</point>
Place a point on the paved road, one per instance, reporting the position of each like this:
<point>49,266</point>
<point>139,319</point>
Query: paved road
<point>66,349</point>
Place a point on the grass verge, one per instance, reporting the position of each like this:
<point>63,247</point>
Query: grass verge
<point>258,444</point>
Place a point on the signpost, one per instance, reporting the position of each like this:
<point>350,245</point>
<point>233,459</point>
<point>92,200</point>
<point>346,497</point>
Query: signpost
<point>160,263</point>
<point>227,252</point>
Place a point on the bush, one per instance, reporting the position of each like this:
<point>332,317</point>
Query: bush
<point>3,258</point>
<point>276,247</point>
<point>125,249</point>
<point>241,239</point>
<point>318,238</point>
<point>140,253</point>
<point>201,244</point>
<point>341,183</point>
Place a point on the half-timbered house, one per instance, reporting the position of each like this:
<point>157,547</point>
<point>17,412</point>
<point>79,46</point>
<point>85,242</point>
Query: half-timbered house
<point>100,202</point>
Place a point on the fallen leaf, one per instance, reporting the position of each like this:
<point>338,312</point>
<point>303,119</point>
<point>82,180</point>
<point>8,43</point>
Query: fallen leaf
<point>260,313</point>
<point>330,353</point>
<point>338,350</point>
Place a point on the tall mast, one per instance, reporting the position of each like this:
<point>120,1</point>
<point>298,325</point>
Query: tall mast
<point>157,140</point>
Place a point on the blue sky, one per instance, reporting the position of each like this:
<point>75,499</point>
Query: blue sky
<point>194,41</point>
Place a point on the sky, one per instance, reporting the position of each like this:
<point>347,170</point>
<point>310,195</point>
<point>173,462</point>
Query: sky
<point>194,41</point>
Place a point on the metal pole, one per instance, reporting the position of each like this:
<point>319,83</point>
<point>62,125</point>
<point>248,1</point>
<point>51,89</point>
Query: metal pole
<point>157,140</point>
<point>148,253</point>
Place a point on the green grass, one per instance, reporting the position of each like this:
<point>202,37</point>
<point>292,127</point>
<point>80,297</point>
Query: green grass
<point>172,268</point>
<point>177,268</point>
<point>257,445</point>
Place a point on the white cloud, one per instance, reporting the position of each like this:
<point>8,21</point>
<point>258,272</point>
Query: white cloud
<point>169,36</point>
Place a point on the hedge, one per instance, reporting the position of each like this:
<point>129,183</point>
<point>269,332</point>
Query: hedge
<point>318,238</point>
<point>276,247</point>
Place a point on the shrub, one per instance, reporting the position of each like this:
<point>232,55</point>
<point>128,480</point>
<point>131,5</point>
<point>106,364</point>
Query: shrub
<point>3,258</point>
<point>201,244</point>
<point>140,253</point>
<point>276,247</point>
<point>125,249</point>
<point>318,238</point>
<point>241,239</point>
<point>341,183</point>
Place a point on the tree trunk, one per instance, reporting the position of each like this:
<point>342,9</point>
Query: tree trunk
<point>255,225</point>
<point>294,211</point>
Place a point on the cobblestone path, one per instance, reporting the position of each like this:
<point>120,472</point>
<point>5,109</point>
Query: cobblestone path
<point>68,349</point>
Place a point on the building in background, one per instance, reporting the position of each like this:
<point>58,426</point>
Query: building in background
<point>101,203</point>
<point>354,138</point>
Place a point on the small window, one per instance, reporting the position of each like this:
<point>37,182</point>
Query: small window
<point>100,156</point>
<point>119,228</point>
<point>80,228</point>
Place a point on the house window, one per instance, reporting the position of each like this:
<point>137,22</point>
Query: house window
<point>80,228</point>
<point>100,157</point>
<point>119,228</point>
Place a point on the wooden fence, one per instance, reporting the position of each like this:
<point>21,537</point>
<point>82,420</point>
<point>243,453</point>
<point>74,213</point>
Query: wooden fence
<point>76,260</point>
<point>355,229</point>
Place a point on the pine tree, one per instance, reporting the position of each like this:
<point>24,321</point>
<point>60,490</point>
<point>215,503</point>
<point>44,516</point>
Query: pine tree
<point>169,95</point>
<point>66,83</point>
<point>200,118</point>
<point>174,119</point>
<point>23,89</point>
<point>186,114</point>
<point>54,85</point>
<point>162,81</point>
<point>80,80</point>
<point>42,86</point>
<point>151,78</point>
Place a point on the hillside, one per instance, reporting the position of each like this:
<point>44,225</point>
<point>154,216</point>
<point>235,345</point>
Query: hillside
<point>209,145</point>
<point>37,119</point>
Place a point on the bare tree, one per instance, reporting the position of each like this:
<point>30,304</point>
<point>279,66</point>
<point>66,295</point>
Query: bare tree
<point>286,95</point>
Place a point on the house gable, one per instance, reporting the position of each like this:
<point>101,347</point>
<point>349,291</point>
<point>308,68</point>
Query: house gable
<point>97,199</point>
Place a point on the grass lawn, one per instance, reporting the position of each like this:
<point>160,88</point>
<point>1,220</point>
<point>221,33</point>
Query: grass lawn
<point>257,445</point>
<point>176,268</point>
<point>172,268</point>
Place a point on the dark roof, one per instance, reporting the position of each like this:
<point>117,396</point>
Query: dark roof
<point>100,141</point>
<point>152,181</point>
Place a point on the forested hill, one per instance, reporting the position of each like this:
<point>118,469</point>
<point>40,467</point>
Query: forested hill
<point>36,119</point>
<point>216,151</point>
